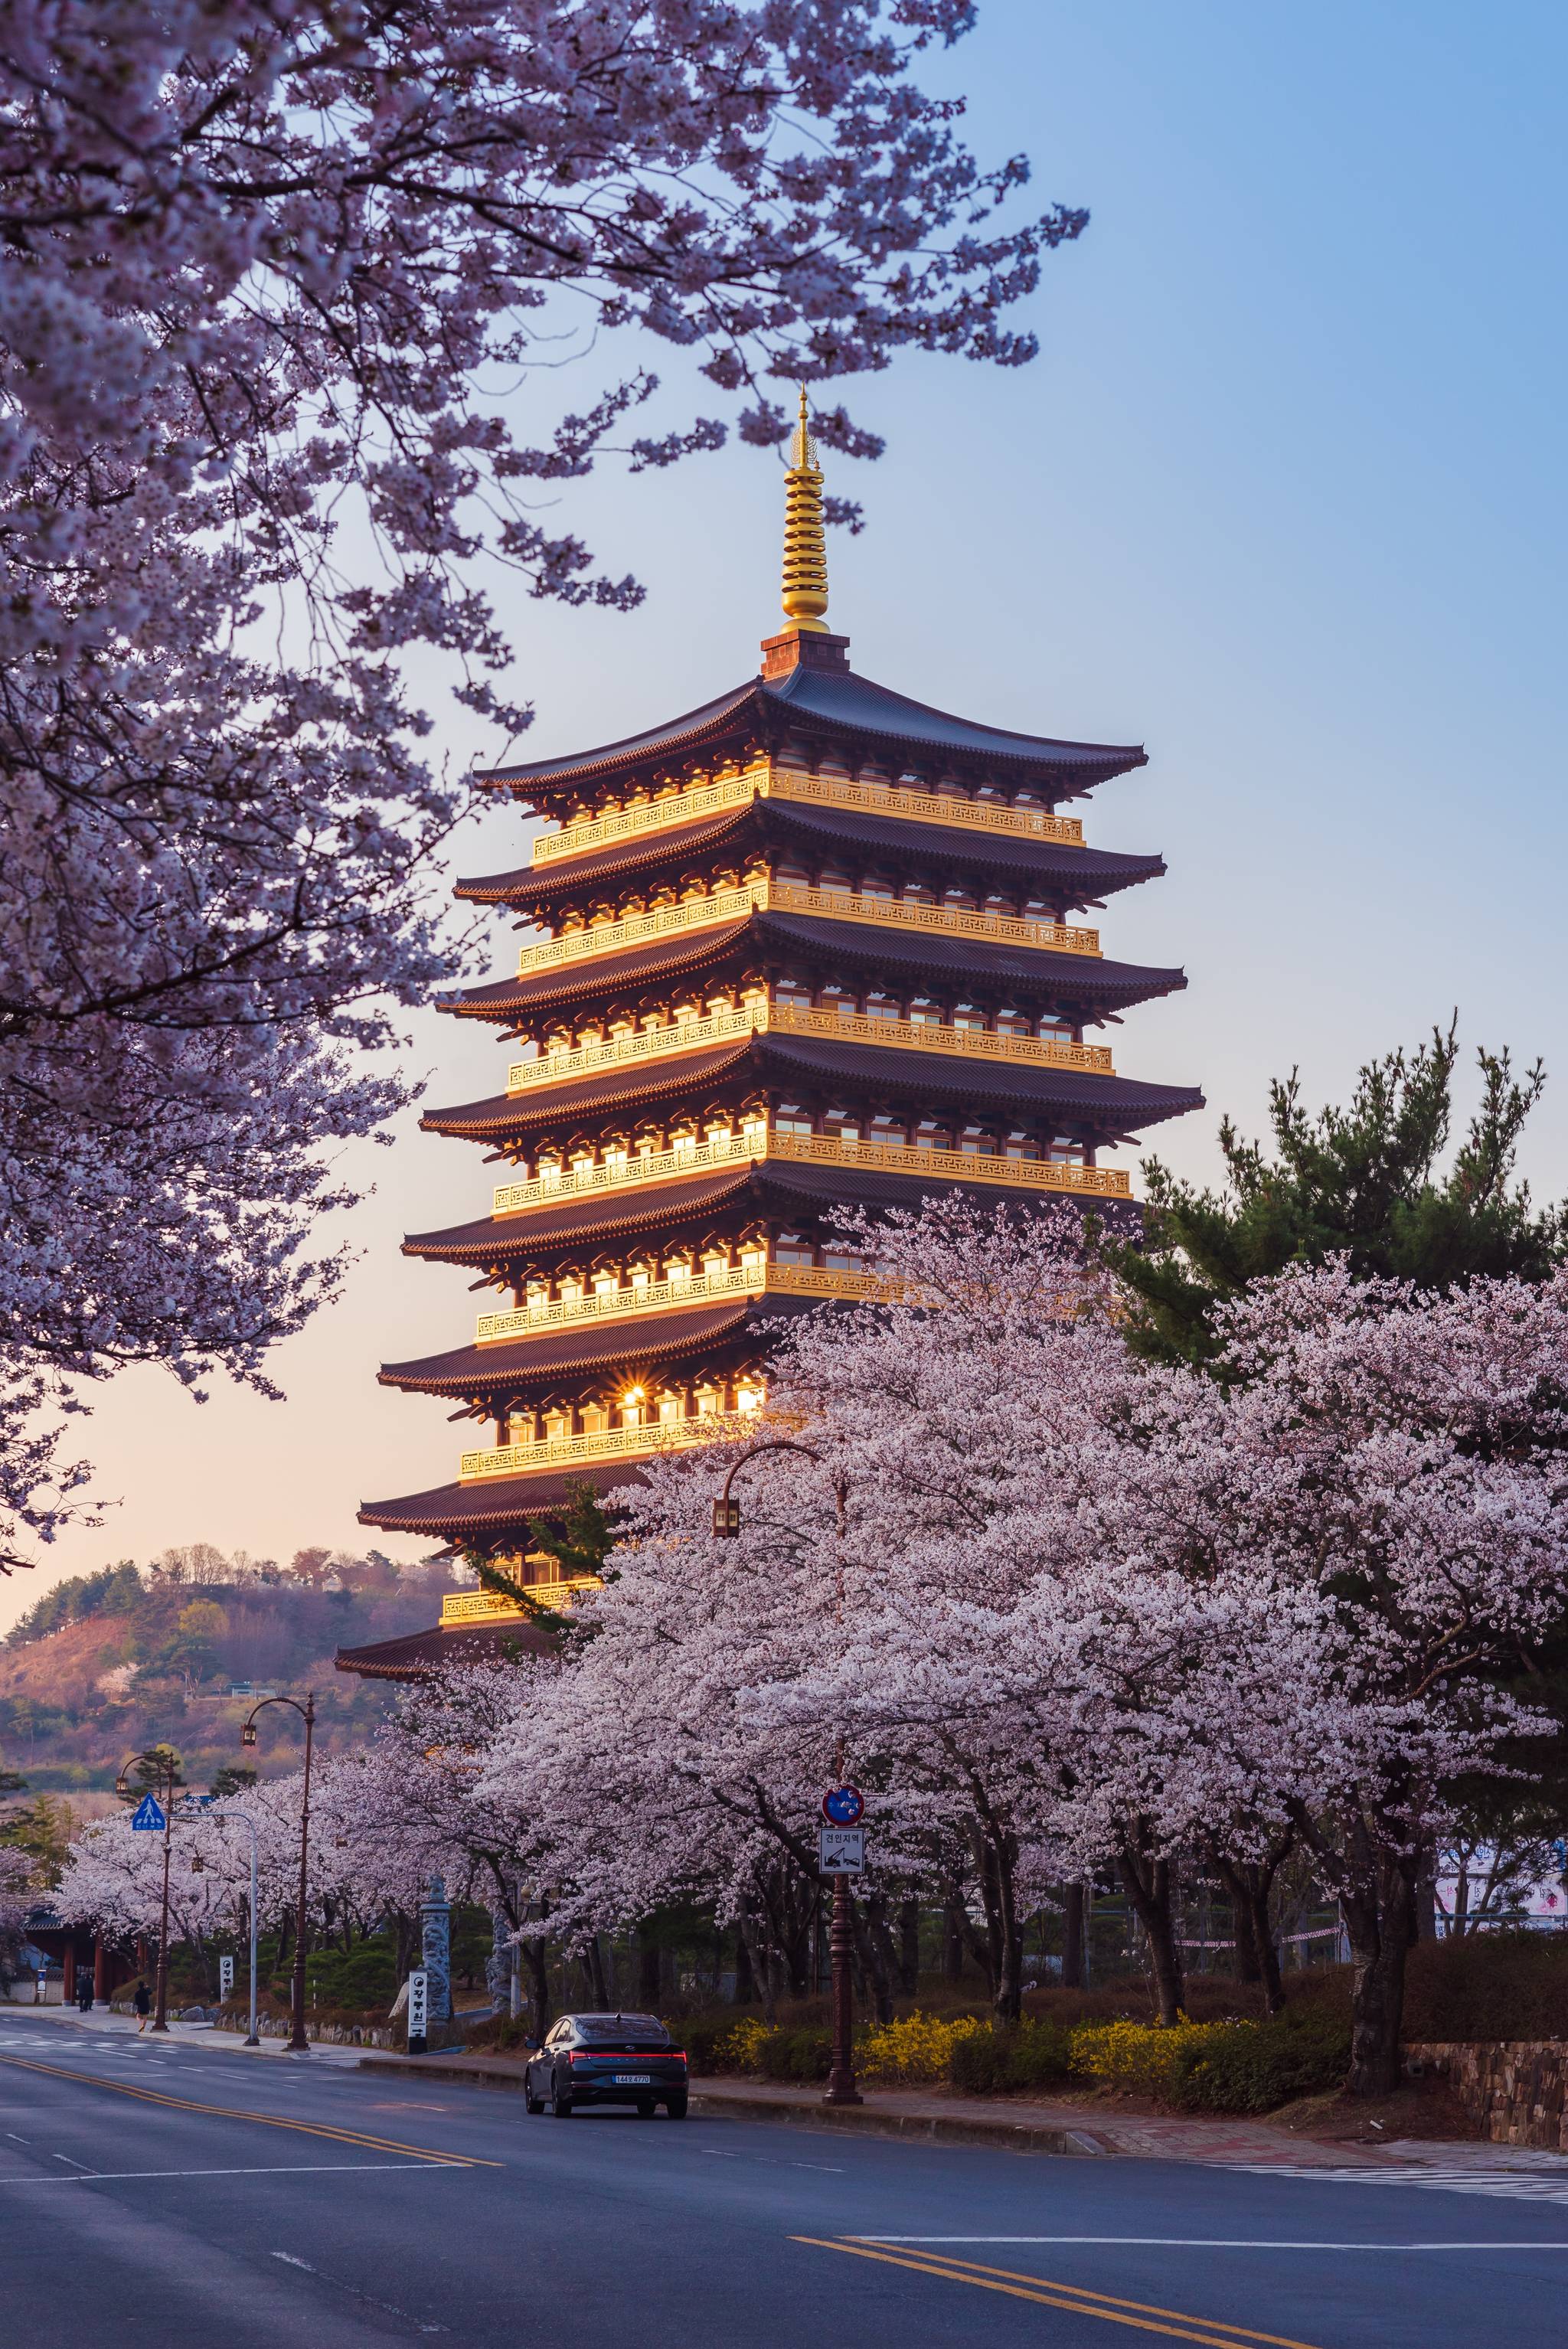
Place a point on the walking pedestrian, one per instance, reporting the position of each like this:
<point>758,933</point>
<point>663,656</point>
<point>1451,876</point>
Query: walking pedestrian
<point>85,1993</point>
<point>141,1999</point>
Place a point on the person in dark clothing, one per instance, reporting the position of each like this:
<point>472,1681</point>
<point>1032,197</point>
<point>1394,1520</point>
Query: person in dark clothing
<point>85,1993</point>
<point>142,2003</point>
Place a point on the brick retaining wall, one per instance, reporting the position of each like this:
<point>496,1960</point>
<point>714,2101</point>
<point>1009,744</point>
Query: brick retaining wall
<point>1516,2088</point>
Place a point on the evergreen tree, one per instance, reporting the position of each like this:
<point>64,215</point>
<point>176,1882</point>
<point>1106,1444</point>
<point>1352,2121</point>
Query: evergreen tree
<point>1366,1181</point>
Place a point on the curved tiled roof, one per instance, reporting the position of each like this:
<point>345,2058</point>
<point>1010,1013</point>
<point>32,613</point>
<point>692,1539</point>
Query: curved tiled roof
<point>656,1338</point>
<point>1090,872</point>
<point>568,982</point>
<point>603,1214</point>
<point>830,701</point>
<point>508,1114</point>
<point>493,1507</point>
<point>421,1655</point>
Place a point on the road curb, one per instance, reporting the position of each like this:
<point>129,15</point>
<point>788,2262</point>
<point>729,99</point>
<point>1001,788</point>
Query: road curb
<point>862,2120</point>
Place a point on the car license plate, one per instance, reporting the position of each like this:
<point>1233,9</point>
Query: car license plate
<point>634,2079</point>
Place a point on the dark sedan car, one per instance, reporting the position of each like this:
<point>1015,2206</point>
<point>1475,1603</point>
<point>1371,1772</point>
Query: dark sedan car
<point>607,2059</point>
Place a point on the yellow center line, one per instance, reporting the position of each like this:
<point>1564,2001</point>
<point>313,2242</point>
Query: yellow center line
<point>264,2120</point>
<point>1182,2315</point>
<point>1063,2296</point>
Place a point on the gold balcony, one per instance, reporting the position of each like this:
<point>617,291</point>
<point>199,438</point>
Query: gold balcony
<point>584,1451</point>
<point>667,1296</point>
<point>763,781</point>
<point>460,1607</point>
<point>822,904</point>
<point>761,1018</point>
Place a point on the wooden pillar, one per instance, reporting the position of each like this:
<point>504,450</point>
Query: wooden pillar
<point>68,1986</point>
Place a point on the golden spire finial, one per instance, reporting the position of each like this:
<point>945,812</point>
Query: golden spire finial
<point>805,534</point>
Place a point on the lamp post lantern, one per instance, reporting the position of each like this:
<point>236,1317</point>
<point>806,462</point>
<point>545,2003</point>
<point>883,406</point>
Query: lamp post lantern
<point>298,2043</point>
<point>841,2088</point>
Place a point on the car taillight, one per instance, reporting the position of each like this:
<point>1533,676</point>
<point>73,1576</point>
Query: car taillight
<point>676,2055</point>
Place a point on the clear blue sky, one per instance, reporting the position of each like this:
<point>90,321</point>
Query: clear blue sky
<point>1282,497</point>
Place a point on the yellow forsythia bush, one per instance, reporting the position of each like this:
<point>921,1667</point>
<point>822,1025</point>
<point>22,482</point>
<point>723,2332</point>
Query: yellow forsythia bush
<point>740,2049</point>
<point>1139,2055</point>
<point>917,2047</point>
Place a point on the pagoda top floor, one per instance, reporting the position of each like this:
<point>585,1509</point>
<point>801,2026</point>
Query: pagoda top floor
<point>809,708</point>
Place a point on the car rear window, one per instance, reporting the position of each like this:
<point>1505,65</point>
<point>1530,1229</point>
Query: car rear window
<point>621,2031</point>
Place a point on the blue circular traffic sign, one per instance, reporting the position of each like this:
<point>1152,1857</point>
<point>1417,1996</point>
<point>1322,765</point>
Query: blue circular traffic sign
<point>842,1805</point>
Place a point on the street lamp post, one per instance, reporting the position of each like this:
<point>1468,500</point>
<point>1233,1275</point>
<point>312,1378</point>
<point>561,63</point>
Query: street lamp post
<point>298,2043</point>
<point>168,1771</point>
<point>841,2088</point>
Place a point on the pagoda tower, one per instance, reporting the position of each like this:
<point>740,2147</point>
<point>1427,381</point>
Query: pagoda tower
<point>811,946</point>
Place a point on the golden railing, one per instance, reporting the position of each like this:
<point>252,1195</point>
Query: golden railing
<point>489,1607</point>
<point>814,791</point>
<point>614,1443</point>
<point>814,1149</point>
<point>663,1296</point>
<point>824,904</point>
<point>798,1020</point>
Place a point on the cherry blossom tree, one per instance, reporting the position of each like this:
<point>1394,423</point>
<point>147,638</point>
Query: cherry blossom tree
<point>270,278</point>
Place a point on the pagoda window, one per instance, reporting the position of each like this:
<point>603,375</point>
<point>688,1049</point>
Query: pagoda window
<point>968,1015</point>
<point>538,1297</point>
<point>709,1399</point>
<point>570,1289</point>
<point>558,1040</point>
<point>977,1142</point>
<point>1067,1150</point>
<point>842,1259</point>
<point>616,1159</point>
<point>1053,1028</point>
<point>924,1011</point>
<point>833,876</point>
<point>557,1424</point>
<point>754,1129</point>
<point>841,1125</point>
<point>649,1139</point>
<point>791,869</point>
<point>877,886</point>
<point>714,1261</point>
<point>606,1283</point>
<point>640,1272</point>
<point>1012,1022</point>
<point>582,1160</point>
<point>997,901</point>
<point>930,1135</point>
<point>791,1118</point>
<point>990,791</point>
<point>748,1394</point>
<point>961,900</point>
<point>918,893</point>
<point>685,1011</point>
<point>683,1141</point>
<point>1020,1144</point>
<point>792,990</point>
<point>672,1407</point>
<point>794,1248</point>
<point>839,999</point>
<point>551,1171</point>
<point>595,1419</point>
<point>633,1411</point>
<point>754,1258</point>
<point>677,1268</point>
<point>883,1007</point>
<point>891,1130</point>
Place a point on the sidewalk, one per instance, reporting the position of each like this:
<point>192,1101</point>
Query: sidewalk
<point>70,2018</point>
<point>1012,2125</point>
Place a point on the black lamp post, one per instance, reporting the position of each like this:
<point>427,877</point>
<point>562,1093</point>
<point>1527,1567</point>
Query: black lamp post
<point>167,1774</point>
<point>298,2043</point>
<point>841,2088</point>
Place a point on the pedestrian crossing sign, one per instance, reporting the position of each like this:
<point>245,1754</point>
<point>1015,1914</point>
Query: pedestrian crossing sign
<point>149,1812</point>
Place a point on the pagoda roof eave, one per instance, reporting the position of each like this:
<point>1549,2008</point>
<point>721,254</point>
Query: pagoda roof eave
<point>1110,1103</point>
<point>423,1655</point>
<point>495,1507</point>
<point>602,1217</point>
<point>1097,871</point>
<point>827,701</point>
<point>868,945</point>
<point>636,1341</point>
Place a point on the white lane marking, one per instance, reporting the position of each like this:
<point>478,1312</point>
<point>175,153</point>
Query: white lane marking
<point>1509,2186</point>
<point>1210,2242</point>
<point>766,2161</point>
<point>18,2140</point>
<point>289,2261</point>
<point>66,2156</point>
<point>276,2169</point>
<point>353,2293</point>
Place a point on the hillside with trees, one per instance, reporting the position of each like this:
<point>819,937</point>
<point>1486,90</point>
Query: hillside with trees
<point>107,1664</point>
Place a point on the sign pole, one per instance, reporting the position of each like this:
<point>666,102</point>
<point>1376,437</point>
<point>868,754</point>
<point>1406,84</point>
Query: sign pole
<point>418,2012</point>
<point>160,2010</point>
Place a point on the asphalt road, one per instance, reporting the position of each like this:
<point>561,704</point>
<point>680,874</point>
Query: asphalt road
<point>188,2194</point>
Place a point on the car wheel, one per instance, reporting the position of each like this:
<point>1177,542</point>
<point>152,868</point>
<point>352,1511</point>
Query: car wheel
<point>676,2108</point>
<point>561,2107</point>
<point>531,2102</point>
<point>647,2108</point>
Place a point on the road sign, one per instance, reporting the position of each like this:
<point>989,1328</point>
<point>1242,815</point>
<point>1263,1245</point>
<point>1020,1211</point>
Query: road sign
<point>840,1851</point>
<point>225,1977</point>
<point>418,2012</point>
<point>149,1814</point>
<point>842,1805</point>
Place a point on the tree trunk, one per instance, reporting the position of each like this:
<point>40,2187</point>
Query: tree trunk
<point>953,1939</point>
<point>650,1986</point>
<point>1151,1887</point>
<point>995,1856</point>
<point>909,1948</point>
<point>745,1979</point>
<point>537,1958</point>
<point>1378,1917</point>
<point>599,1989</point>
<point>1249,1883</point>
<point>1072,1936</point>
